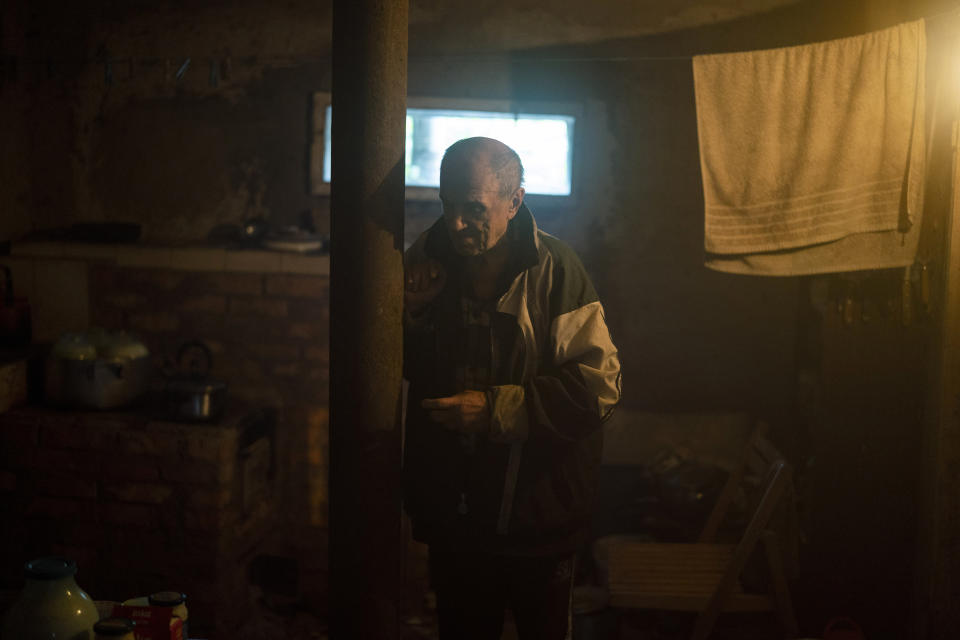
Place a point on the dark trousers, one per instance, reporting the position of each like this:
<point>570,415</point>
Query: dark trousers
<point>475,589</point>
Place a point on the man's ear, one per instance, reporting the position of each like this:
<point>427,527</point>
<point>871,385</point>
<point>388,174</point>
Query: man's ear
<point>516,201</point>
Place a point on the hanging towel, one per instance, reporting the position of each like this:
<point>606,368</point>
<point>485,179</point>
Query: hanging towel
<point>803,146</point>
<point>858,251</point>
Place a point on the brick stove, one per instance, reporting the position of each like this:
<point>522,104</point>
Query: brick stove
<point>141,504</point>
<point>145,502</point>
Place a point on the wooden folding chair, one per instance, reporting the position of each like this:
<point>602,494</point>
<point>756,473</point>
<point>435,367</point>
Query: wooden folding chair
<point>705,576</point>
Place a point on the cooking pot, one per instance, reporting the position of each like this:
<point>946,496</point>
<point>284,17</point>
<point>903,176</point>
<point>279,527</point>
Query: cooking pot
<point>14,315</point>
<point>97,370</point>
<point>191,395</point>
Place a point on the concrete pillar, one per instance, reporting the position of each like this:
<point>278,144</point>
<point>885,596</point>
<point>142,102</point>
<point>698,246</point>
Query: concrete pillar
<point>366,302</point>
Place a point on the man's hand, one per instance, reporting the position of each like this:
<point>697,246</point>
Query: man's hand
<point>422,282</point>
<point>466,412</point>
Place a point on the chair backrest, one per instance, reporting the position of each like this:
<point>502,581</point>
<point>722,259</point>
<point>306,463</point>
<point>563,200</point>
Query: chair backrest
<point>677,578</point>
<point>760,459</point>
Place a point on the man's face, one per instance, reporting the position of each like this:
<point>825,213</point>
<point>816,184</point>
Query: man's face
<point>475,213</point>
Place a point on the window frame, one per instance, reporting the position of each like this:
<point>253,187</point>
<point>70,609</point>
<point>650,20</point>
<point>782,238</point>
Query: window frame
<point>321,100</point>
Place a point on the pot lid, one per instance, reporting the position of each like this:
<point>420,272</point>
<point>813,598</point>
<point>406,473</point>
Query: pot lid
<point>196,385</point>
<point>167,598</point>
<point>50,568</point>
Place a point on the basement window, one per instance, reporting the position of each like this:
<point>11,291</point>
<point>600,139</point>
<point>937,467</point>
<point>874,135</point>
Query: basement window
<point>542,134</point>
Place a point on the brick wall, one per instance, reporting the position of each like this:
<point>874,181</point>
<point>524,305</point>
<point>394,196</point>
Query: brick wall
<point>268,334</point>
<point>141,505</point>
<point>267,327</point>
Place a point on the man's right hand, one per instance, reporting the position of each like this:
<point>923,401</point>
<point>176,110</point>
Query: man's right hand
<point>422,282</point>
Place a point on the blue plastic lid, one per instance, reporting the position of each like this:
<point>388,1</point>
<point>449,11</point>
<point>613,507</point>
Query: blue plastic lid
<point>50,568</point>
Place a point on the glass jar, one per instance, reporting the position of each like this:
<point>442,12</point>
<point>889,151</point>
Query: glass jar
<point>114,629</point>
<point>175,600</point>
<point>51,605</point>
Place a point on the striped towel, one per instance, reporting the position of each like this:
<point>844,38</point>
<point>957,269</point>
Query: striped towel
<point>806,145</point>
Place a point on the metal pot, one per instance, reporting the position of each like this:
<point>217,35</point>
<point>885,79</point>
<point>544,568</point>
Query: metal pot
<point>192,395</point>
<point>97,383</point>
<point>97,369</point>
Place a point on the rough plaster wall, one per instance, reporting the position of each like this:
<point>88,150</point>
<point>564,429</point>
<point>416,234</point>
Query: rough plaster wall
<point>181,171</point>
<point>36,116</point>
<point>37,130</point>
<point>691,338</point>
<point>177,155</point>
<point>180,157</point>
<point>183,155</point>
<point>856,444</point>
<point>696,337</point>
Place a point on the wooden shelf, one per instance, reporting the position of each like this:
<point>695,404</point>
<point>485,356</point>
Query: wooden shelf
<point>178,258</point>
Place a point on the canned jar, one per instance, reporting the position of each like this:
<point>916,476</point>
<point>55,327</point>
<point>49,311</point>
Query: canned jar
<point>175,600</point>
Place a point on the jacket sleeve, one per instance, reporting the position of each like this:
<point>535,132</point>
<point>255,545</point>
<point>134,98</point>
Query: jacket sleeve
<point>578,384</point>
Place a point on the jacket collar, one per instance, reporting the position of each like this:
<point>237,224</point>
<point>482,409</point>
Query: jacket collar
<point>521,232</point>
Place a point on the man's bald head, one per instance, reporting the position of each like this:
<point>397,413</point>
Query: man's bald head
<point>480,193</point>
<point>501,159</point>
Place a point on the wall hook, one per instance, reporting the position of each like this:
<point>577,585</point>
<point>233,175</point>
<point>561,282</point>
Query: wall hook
<point>214,78</point>
<point>183,69</point>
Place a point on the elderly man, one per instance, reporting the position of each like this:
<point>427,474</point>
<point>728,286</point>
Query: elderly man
<point>512,373</point>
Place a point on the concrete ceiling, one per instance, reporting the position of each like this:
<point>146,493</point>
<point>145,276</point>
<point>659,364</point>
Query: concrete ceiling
<point>437,27</point>
<point>468,25</point>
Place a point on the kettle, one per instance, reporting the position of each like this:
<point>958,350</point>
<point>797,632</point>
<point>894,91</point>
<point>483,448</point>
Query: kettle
<point>191,395</point>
